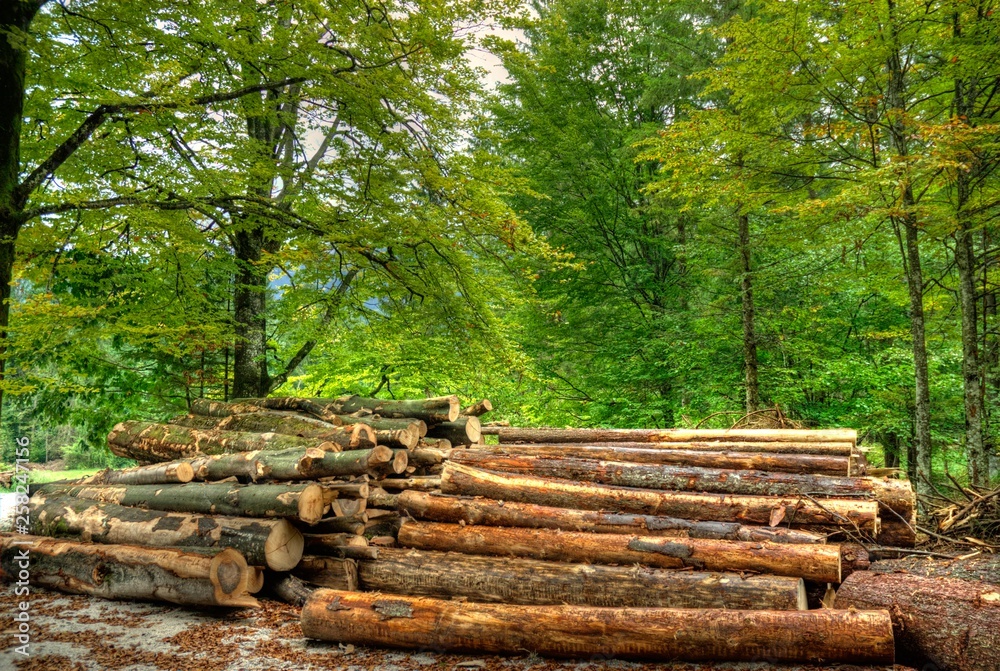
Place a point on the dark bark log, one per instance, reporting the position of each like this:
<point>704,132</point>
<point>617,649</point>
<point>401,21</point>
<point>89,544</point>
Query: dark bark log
<point>476,510</point>
<point>272,543</point>
<point>465,480</point>
<point>667,634</point>
<point>146,441</point>
<point>831,441</point>
<point>358,437</point>
<point>761,461</point>
<point>820,563</point>
<point>128,572</point>
<point>463,431</point>
<point>167,473</point>
<point>354,524</point>
<point>532,582</point>
<point>954,624</point>
<point>290,589</point>
<point>302,502</point>
<point>332,572</point>
<point>478,409</point>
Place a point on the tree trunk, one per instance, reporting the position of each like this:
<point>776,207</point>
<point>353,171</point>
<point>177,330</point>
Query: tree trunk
<point>302,502</point>
<point>478,409</point>
<point>532,582</point>
<point>459,479</point>
<point>760,461</point>
<point>332,572</point>
<point>665,634</point>
<point>359,437</point>
<point>431,410</point>
<point>437,508</point>
<point>828,441</point>
<point>146,441</point>
<point>128,572</point>
<point>272,543</point>
<point>250,377</point>
<point>158,474</point>
<point>820,563</point>
<point>750,376</point>
<point>954,624</point>
<point>463,431</point>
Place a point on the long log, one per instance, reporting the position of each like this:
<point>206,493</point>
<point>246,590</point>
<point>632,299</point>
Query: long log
<point>423,483</point>
<point>403,433</point>
<point>821,563</point>
<point>313,463</point>
<point>210,408</point>
<point>842,449</point>
<point>170,472</point>
<point>982,568</point>
<point>272,543</point>
<point>461,479</point>
<point>128,572</point>
<point>358,437</point>
<point>820,464</point>
<point>798,436</point>
<point>463,431</point>
<point>666,634</point>
<point>478,510</point>
<point>347,546</point>
<point>302,502</point>
<point>431,410</point>
<point>222,466</point>
<point>896,495</point>
<point>952,623</point>
<point>533,582</point>
<point>150,442</point>
<point>332,572</point>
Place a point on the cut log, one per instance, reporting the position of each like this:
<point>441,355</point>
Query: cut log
<point>842,449</point>
<point>431,410</point>
<point>170,472</point>
<point>423,483</point>
<point>332,572</point>
<point>463,431</point>
<point>982,568</point>
<point>209,408</point>
<point>667,634</point>
<point>346,490</point>
<point>128,572</point>
<point>894,495</point>
<point>435,444</point>
<point>532,582</point>
<point>379,498</point>
<point>359,437</point>
<point>341,525</point>
<point>461,479</point>
<point>302,502</point>
<point>478,409</point>
<point>347,507</point>
<point>427,456</point>
<point>290,589</point>
<point>272,543</point>
<point>221,466</point>
<point>477,510</point>
<point>762,461</point>
<point>403,433</point>
<point>401,461</point>
<point>256,582</point>
<point>312,464</point>
<point>797,436</point>
<point>149,442</point>
<point>821,563</point>
<point>339,545</point>
<point>953,624</point>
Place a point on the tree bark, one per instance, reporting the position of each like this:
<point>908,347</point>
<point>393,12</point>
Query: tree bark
<point>209,408</point>
<point>358,437</point>
<point>460,479</point>
<point>272,543</point>
<point>332,572</point>
<point>954,624</point>
<point>821,563</point>
<point>665,634</point>
<point>469,510</point>
<point>129,572</point>
<point>222,466</point>
<point>312,464</point>
<point>479,408</point>
<point>463,431</point>
<point>431,410</point>
<point>146,441</point>
<point>827,441</point>
<point>532,582</point>
<point>751,383</point>
<point>250,377</point>
<point>302,502</point>
<point>984,568</point>
<point>167,473</point>
<point>760,461</point>
<point>290,589</point>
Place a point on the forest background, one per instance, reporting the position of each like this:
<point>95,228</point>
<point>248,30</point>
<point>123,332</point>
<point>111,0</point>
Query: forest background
<point>665,213</point>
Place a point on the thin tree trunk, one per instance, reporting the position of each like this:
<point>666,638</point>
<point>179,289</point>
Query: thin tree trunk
<point>250,378</point>
<point>749,327</point>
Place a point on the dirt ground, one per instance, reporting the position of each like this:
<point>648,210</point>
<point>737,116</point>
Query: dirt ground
<point>76,633</point>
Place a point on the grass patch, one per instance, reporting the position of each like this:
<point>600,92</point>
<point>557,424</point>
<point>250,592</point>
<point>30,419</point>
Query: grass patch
<point>42,476</point>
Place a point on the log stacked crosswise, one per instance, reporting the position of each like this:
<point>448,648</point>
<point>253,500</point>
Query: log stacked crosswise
<point>383,516</point>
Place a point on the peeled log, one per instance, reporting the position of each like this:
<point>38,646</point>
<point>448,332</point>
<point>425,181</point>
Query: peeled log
<point>761,461</point>
<point>952,623</point>
<point>798,436</point>
<point>821,563</point>
<point>272,543</point>
<point>461,479</point>
<point>149,442</point>
<point>303,502</point>
<point>532,582</point>
<point>347,437</point>
<point>665,634</point>
<point>129,572</point>
<point>477,510</point>
<point>170,472</point>
<point>463,431</point>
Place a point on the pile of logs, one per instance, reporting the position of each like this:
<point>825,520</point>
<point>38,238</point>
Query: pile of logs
<point>393,523</point>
